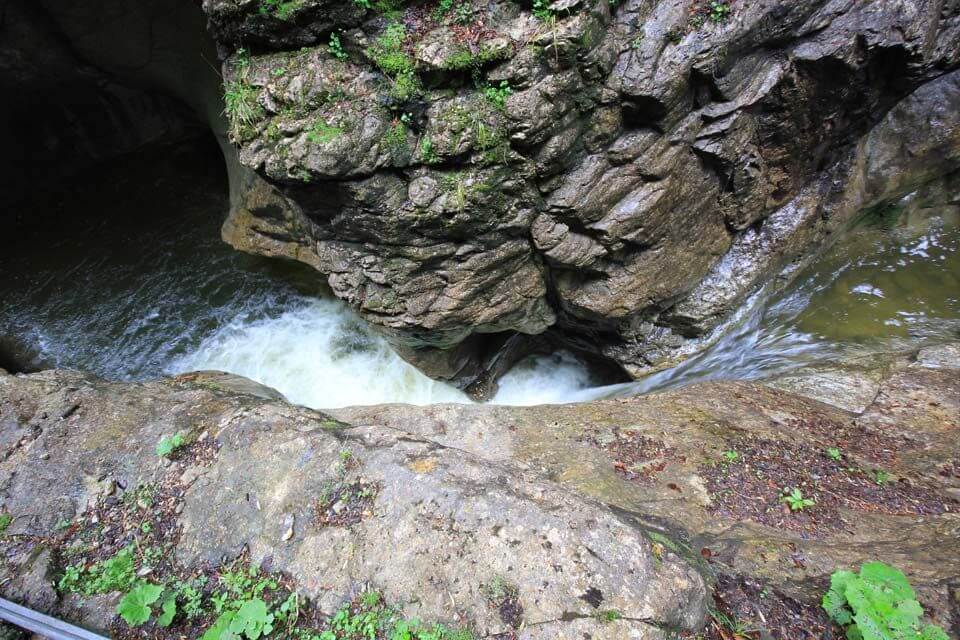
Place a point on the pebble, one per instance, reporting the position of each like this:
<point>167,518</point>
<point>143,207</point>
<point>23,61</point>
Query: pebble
<point>288,521</point>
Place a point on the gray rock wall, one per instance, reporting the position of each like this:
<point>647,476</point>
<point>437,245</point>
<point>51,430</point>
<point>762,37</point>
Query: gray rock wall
<point>645,166</point>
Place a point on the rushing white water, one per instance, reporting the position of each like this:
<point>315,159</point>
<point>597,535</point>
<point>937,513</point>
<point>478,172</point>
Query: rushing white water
<point>142,285</point>
<point>319,354</point>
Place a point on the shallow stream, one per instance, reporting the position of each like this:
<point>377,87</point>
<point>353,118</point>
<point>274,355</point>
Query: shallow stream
<point>132,281</point>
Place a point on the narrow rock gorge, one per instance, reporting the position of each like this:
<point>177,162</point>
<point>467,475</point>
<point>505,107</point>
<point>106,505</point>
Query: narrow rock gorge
<point>612,177</point>
<point>463,319</point>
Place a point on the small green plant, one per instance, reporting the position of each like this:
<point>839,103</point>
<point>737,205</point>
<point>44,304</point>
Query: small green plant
<point>5,520</point>
<point>388,51</point>
<point>251,619</point>
<point>834,453</point>
<point>282,9</point>
<point>497,95</point>
<point>113,574</point>
<point>396,136</point>
<point>442,9</point>
<point>719,10</point>
<point>881,477</point>
<point>168,445</point>
<point>463,13</point>
<point>321,132</point>
<point>406,86</point>
<point>674,35</point>
<point>427,151</point>
<point>363,4</point>
<point>730,623</point>
<point>877,604</point>
<point>191,594</point>
<point>134,608</point>
<point>729,457</point>
<point>795,500</point>
<point>606,616</point>
<point>541,9</point>
<point>241,107</point>
<point>335,47</point>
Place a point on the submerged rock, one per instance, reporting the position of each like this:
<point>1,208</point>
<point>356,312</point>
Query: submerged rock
<point>615,177</point>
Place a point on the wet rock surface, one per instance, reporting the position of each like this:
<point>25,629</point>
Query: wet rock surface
<point>707,467</point>
<point>616,177</point>
<point>534,521</point>
<point>335,508</point>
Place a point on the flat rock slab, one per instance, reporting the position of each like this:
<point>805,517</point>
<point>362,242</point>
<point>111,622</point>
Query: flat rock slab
<point>426,524</point>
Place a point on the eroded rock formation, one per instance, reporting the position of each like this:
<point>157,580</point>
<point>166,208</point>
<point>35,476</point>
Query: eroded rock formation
<point>614,177</point>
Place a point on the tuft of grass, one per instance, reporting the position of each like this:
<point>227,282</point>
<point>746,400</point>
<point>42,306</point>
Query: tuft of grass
<point>5,521</point>
<point>241,107</point>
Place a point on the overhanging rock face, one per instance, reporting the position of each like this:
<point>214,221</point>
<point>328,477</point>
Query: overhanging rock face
<point>617,177</point>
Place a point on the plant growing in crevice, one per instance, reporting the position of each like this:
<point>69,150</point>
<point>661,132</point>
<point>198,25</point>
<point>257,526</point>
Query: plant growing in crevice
<point>719,10</point>
<point>335,47</point>
<point>497,94</point>
<point>322,132</point>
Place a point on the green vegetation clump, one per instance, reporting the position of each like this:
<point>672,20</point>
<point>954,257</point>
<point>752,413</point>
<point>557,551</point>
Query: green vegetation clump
<point>335,47</point>
<point>406,86</point>
<point>113,574</point>
<point>169,445</point>
<point>134,608</point>
<point>5,521</point>
<point>388,51</point>
<point>240,99</point>
<point>282,9</point>
<point>497,95</point>
<point>719,10</point>
<point>321,132</point>
<point>606,616</point>
<point>795,500</point>
<point>877,604</point>
<point>541,9</point>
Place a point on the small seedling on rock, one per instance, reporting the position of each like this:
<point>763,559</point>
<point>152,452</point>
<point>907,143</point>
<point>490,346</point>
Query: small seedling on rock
<point>169,445</point>
<point>730,456</point>
<point>882,477</point>
<point>834,453</point>
<point>607,616</point>
<point>795,500</point>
